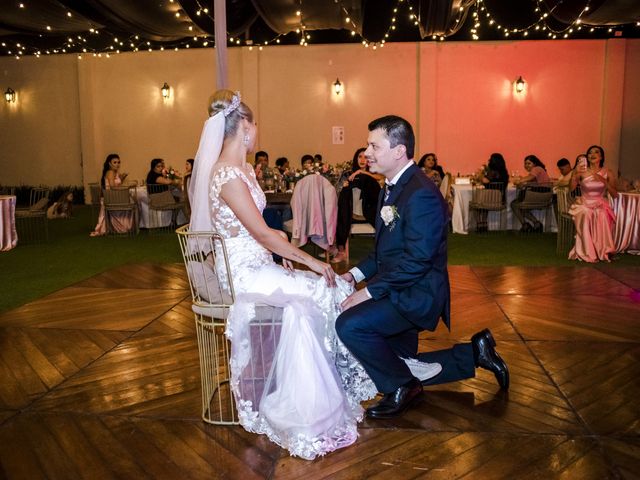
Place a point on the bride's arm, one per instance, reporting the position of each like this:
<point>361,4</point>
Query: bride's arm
<point>236,194</point>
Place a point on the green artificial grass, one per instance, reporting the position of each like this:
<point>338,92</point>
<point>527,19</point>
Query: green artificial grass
<point>70,255</point>
<point>32,271</point>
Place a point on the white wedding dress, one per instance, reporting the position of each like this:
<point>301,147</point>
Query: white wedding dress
<point>292,380</point>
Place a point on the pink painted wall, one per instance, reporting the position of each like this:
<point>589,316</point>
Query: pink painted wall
<point>458,96</point>
<point>477,111</point>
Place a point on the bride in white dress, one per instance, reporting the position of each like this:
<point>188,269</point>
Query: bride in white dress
<point>310,401</point>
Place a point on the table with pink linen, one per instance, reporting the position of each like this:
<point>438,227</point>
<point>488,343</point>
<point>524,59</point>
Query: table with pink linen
<point>627,230</point>
<point>8,234</point>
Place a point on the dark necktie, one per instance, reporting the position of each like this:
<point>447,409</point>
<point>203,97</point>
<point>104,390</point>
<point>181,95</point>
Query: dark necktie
<point>387,190</point>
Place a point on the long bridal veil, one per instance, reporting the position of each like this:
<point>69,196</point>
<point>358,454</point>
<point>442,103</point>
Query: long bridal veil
<point>207,156</point>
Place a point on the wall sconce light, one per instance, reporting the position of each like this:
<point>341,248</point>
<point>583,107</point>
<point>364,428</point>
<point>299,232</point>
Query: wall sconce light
<point>520,84</point>
<point>337,87</point>
<point>10,95</point>
<point>166,91</point>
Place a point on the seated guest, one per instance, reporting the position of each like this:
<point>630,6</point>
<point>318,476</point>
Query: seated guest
<point>537,174</point>
<point>624,184</point>
<point>429,165</point>
<point>282,164</point>
<point>317,158</point>
<point>593,216</point>
<point>156,175</point>
<point>261,164</point>
<point>496,177</point>
<point>369,185</point>
<point>565,173</point>
<point>62,208</point>
<point>121,222</point>
<point>307,162</point>
<point>186,181</point>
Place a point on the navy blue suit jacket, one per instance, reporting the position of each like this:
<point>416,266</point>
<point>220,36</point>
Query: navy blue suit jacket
<point>409,262</point>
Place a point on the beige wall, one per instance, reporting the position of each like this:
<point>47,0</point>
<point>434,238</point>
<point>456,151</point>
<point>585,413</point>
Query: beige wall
<point>458,95</point>
<point>40,132</point>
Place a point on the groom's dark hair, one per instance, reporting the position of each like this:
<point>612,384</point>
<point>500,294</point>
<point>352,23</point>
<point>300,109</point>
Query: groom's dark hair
<point>398,130</point>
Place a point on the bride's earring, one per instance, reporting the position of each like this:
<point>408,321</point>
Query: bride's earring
<point>246,138</point>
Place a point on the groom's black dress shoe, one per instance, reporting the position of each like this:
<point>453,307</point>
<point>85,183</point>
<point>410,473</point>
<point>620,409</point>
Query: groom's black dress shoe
<point>485,356</point>
<point>394,403</point>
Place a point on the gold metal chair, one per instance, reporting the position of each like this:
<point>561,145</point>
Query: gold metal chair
<point>31,222</point>
<point>118,200</point>
<point>213,295</point>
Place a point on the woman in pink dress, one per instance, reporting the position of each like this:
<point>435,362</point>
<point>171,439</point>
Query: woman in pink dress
<point>592,214</point>
<point>121,222</point>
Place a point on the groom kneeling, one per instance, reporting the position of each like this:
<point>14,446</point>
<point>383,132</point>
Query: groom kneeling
<point>407,283</point>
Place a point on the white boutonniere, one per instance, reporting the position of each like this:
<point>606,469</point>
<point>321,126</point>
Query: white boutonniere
<point>389,215</point>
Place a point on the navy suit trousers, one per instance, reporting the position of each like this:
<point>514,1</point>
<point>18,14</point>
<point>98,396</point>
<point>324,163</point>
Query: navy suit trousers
<point>378,335</point>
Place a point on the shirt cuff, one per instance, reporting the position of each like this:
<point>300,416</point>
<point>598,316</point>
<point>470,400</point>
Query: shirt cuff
<point>366,290</point>
<point>358,276</point>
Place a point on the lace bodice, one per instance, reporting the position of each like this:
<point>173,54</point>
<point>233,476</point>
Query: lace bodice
<point>246,255</point>
<point>224,220</point>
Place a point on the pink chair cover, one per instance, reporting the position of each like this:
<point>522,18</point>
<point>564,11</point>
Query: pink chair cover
<point>8,234</point>
<point>315,211</point>
<point>627,230</point>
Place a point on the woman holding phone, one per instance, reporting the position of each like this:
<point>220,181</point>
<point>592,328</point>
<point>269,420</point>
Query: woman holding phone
<point>592,214</point>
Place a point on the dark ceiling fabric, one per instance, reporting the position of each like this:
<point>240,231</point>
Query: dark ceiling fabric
<point>263,21</point>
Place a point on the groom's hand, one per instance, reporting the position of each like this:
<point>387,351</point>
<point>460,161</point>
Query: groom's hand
<point>355,298</point>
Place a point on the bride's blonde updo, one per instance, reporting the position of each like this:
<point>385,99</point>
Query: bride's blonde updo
<point>223,101</point>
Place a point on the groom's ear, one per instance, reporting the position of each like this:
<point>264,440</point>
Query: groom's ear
<point>400,150</point>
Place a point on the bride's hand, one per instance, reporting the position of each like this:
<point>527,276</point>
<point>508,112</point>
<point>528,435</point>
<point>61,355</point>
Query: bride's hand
<point>325,270</point>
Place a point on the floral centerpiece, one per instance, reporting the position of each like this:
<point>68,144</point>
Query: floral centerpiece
<point>171,173</point>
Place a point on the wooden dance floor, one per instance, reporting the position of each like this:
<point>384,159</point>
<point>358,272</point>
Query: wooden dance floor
<point>101,380</point>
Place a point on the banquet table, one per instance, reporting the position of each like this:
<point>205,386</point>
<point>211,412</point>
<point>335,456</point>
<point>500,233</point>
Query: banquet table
<point>460,214</point>
<point>8,234</point>
<point>627,230</point>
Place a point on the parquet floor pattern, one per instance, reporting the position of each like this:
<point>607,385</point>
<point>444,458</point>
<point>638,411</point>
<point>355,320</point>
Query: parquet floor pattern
<point>101,380</point>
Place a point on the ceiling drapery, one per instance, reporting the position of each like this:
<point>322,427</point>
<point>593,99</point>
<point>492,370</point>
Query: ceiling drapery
<point>64,26</point>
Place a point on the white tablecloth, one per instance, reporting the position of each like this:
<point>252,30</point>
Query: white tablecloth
<point>460,215</point>
<point>8,234</point>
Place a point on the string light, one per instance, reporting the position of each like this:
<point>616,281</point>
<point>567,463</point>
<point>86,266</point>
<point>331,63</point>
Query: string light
<point>480,15</point>
<point>540,25</point>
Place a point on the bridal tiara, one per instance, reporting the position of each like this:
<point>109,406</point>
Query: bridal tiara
<point>235,103</point>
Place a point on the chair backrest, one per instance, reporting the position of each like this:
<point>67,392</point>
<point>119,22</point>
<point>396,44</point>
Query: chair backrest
<point>356,196</point>
<point>564,199</point>
<point>207,265</point>
<point>160,196</point>
<point>95,189</point>
<point>445,186</point>
<point>315,211</point>
<point>489,195</point>
<point>38,199</point>
<point>117,196</point>
<point>37,194</point>
<point>537,195</point>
